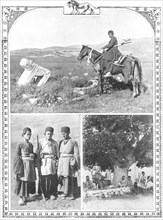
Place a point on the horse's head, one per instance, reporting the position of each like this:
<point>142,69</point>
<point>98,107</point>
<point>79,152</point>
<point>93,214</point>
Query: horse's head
<point>83,52</point>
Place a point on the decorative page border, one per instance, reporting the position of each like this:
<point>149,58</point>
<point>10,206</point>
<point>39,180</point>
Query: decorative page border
<point>9,16</point>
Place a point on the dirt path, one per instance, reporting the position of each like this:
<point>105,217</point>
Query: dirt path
<point>139,202</point>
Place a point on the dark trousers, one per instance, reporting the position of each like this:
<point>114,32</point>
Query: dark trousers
<point>23,188</point>
<point>49,185</point>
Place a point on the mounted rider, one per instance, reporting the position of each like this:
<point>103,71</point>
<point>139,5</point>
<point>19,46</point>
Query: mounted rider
<point>110,54</point>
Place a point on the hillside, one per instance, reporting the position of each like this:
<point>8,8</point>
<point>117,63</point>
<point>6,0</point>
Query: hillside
<point>135,47</point>
<point>63,63</point>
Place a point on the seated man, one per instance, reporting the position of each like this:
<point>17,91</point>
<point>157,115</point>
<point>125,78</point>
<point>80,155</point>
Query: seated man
<point>149,184</point>
<point>123,182</point>
<point>111,54</point>
<point>32,70</point>
<point>135,188</point>
<point>129,182</point>
<point>88,184</point>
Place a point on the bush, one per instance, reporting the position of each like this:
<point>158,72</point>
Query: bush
<point>16,94</point>
<point>92,92</point>
<point>81,82</point>
<point>52,87</point>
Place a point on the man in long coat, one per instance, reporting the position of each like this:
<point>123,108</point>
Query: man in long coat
<point>69,162</point>
<point>111,53</point>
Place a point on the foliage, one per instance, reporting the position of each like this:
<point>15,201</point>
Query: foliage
<point>118,140</point>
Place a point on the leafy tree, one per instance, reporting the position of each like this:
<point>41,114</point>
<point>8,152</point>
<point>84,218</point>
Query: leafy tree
<point>118,141</point>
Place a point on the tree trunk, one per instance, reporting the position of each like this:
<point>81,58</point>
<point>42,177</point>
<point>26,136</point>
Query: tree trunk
<point>118,173</point>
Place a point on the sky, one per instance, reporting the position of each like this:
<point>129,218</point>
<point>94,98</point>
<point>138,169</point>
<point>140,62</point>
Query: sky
<point>38,123</point>
<point>41,28</point>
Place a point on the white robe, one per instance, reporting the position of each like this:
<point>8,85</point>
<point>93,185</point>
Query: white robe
<point>29,74</point>
<point>48,153</point>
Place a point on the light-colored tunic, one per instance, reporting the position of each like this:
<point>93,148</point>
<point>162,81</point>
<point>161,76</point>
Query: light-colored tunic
<point>69,151</point>
<point>143,181</point>
<point>123,183</point>
<point>49,156</point>
<point>32,70</point>
<point>108,175</point>
<point>25,152</point>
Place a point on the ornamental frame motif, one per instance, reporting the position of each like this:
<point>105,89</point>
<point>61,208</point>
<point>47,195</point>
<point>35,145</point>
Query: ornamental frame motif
<point>9,15</point>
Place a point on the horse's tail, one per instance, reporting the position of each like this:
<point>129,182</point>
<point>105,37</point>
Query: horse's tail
<point>139,66</point>
<point>139,76</point>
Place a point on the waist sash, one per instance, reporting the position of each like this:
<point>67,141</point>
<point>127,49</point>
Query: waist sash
<point>27,158</point>
<point>67,155</point>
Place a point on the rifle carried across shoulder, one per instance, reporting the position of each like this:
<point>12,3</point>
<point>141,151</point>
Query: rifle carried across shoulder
<point>39,172</point>
<point>127,41</point>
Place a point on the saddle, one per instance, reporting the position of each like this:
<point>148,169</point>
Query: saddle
<point>120,61</point>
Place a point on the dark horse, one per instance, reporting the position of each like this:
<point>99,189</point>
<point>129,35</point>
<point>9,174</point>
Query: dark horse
<point>131,69</point>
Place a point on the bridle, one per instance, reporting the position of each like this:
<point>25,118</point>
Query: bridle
<point>89,58</point>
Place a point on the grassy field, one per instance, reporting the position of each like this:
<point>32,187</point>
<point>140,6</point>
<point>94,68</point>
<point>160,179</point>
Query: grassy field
<point>38,124</point>
<point>62,61</point>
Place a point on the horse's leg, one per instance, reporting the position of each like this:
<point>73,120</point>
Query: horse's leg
<point>97,68</point>
<point>77,11</point>
<point>84,12</point>
<point>100,82</point>
<point>86,9</point>
<point>133,87</point>
<point>136,88</point>
<point>92,12</point>
<point>132,78</point>
<point>72,11</point>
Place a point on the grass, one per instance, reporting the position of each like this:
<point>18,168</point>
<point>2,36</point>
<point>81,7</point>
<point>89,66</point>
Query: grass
<point>60,85</point>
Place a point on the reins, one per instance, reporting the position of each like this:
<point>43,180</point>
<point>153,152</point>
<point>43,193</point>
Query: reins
<point>90,57</point>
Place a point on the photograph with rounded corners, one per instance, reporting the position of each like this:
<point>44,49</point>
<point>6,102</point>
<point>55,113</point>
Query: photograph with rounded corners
<point>94,63</point>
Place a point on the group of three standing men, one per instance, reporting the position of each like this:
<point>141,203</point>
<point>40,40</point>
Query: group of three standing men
<point>51,160</point>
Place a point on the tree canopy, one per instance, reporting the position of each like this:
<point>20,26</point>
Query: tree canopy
<point>118,140</point>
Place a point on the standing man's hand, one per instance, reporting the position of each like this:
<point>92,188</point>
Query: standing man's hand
<point>103,49</point>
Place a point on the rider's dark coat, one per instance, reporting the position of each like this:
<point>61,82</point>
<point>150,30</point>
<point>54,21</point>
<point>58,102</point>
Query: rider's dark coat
<point>112,53</point>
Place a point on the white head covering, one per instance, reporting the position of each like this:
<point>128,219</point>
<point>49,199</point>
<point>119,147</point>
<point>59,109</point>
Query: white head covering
<point>26,63</point>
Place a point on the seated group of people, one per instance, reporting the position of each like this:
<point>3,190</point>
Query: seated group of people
<point>142,185</point>
<point>99,179</point>
<point>102,180</point>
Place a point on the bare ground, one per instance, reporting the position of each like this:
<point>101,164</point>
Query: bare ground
<point>58,204</point>
<point>139,202</point>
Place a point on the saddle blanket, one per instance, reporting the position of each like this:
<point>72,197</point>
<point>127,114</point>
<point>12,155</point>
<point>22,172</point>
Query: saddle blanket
<point>120,60</point>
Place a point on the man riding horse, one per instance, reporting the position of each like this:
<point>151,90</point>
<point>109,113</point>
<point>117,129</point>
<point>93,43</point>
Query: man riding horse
<point>111,54</point>
<point>112,62</point>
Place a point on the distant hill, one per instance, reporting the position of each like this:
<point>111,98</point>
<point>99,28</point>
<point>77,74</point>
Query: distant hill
<point>54,51</point>
<point>138,47</point>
